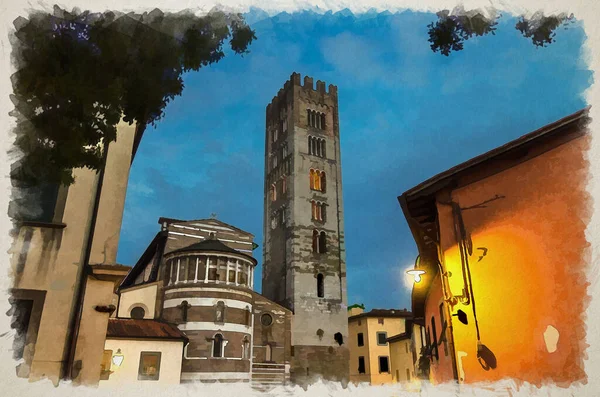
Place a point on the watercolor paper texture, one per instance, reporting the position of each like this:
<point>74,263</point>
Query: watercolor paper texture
<point>246,198</point>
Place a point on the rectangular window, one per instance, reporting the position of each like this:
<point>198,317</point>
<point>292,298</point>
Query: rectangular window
<point>382,338</point>
<point>361,340</point>
<point>407,374</point>
<point>380,321</point>
<point>384,365</point>
<point>231,278</point>
<point>105,364</point>
<point>212,273</point>
<point>149,366</point>
<point>361,365</point>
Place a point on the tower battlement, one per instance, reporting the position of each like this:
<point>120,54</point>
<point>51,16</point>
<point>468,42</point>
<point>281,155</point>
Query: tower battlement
<point>307,85</point>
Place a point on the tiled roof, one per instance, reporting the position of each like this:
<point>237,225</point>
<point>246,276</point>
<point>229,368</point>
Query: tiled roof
<point>403,313</point>
<point>128,328</point>
<point>398,337</point>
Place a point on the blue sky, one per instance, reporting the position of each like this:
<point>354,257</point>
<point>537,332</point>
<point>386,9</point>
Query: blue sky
<point>406,114</point>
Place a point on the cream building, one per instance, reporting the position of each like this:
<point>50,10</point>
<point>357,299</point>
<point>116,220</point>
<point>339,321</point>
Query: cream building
<point>370,350</point>
<point>64,268</point>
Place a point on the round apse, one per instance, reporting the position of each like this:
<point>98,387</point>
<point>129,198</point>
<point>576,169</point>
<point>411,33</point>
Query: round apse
<point>266,319</point>
<point>138,313</point>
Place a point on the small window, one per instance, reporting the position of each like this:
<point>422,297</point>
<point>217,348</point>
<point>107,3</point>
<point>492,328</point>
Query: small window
<point>320,286</point>
<point>138,313</point>
<point>105,365</point>
<point>149,366</point>
<point>217,350</point>
<point>246,348</point>
<point>382,338</point>
<point>266,319</point>
<point>231,277</point>
<point>361,365</point>
<point>361,339</point>
<point>315,241</point>
<point>322,242</point>
<point>384,365</point>
<point>407,374</point>
<point>339,338</point>
<point>380,321</point>
<point>220,312</point>
<point>273,192</point>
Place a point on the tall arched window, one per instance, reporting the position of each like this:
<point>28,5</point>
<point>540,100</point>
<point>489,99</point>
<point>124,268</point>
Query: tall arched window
<point>313,205</point>
<point>268,353</point>
<point>320,286</point>
<point>322,182</point>
<point>322,121</point>
<point>283,185</point>
<point>273,192</point>
<point>322,242</point>
<point>220,312</point>
<point>315,241</point>
<point>168,272</point>
<point>248,316</point>
<point>217,350</point>
<point>245,348</point>
<point>323,148</point>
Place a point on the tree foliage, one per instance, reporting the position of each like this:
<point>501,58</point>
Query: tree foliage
<point>80,73</point>
<point>451,30</point>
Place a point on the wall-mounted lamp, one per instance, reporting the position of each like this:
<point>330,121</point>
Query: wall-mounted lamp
<point>117,358</point>
<point>416,272</point>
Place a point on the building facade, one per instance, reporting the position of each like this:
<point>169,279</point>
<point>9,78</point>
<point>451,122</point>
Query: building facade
<point>371,352</point>
<point>197,277</point>
<point>64,267</point>
<point>502,241</point>
<point>304,265</point>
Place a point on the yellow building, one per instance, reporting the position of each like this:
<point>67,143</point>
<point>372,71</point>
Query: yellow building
<point>64,267</point>
<point>370,355</point>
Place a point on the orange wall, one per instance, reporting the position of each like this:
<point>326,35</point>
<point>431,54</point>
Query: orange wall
<point>441,368</point>
<point>533,274</point>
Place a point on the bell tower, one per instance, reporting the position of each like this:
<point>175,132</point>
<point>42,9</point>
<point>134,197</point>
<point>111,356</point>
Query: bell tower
<point>304,266</point>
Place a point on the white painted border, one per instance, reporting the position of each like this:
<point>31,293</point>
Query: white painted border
<point>207,302</point>
<point>215,375</point>
<point>207,289</point>
<point>211,326</point>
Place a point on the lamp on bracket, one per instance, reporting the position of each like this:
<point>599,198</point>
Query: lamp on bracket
<point>417,271</point>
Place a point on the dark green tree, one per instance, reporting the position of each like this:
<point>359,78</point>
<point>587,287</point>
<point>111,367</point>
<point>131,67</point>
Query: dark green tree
<point>80,73</point>
<point>451,30</point>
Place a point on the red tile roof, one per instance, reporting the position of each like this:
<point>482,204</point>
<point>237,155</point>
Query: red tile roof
<point>128,328</point>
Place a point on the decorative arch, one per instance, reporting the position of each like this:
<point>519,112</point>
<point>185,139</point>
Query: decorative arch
<point>218,346</point>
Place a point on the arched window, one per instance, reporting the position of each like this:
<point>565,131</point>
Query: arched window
<point>138,313</point>
<point>312,179</point>
<point>322,216</point>
<point>322,242</point>
<point>313,118</point>
<point>220,312</point>
<point>322,182</point>
<point>322,121</point>
<point>313,205</point>
<point>268,353</point>
<point>246,348</point>
<point>320,286</point>
<point>283,185</point>
<point>323,148</point>
<point>273,192</point>
<point>315,241</point>
<point>308,117</point>
<point>317,183</point>
<point>217,350</point>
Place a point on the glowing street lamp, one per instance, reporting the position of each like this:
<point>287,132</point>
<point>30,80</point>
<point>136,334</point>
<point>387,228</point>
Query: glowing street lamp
<point>416,272</point>
<point>117,358</point>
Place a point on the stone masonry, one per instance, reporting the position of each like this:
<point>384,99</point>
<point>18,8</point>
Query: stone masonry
<point>294,275</point>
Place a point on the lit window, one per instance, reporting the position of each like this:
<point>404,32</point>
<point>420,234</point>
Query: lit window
<point>273,192</point>
<point>149,368</point>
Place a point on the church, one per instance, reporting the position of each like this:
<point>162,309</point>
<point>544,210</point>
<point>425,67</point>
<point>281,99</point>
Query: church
<point>187,311</point>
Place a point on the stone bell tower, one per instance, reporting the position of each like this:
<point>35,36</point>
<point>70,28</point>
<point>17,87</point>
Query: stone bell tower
<point>304,265</point>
